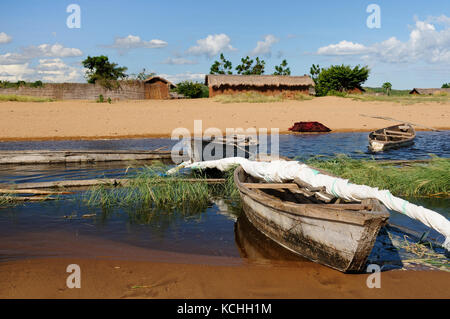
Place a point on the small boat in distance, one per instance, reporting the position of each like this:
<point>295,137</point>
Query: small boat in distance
<point>395,136</point>
<point>312,223</point>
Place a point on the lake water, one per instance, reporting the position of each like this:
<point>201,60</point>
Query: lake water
<point>58,228</point>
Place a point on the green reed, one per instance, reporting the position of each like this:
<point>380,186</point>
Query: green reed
<point>150,188</point>
<point>429,179</point>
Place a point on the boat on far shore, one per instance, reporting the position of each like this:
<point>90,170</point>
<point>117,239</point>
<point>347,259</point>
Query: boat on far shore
<point>395,136</point>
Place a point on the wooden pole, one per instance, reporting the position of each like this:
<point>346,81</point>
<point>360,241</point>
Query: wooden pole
<point>31,191</point>
<point>27,198</point>
<point>105,181</point>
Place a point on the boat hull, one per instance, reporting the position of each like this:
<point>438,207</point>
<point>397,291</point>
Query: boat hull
<point>379,143</point>
<point>336,238</point>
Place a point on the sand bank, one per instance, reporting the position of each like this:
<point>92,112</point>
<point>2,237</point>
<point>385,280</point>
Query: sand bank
<point>46,278</point>
<point>157,118</point>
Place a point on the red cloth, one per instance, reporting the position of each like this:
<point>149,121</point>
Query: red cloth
<point>309,127</point>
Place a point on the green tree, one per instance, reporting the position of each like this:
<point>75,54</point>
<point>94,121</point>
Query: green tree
<point>247,68</point>
<point>340,78</point>
<point>387,86</point>
<point>143,75</point>
<point>446,86</point>
<point>192,90</point>
<point>282,69</point>
<point>100,70</point>
<point>221,67</point>
<point>314,71</point>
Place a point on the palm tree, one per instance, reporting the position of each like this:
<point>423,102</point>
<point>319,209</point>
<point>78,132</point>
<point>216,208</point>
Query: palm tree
<point>387,86</point>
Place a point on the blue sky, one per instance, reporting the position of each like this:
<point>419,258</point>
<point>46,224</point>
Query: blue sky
<point>181,39</point>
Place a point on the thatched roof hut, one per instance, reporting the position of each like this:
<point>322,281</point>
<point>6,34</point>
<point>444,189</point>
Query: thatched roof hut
<point>429,91</point>
<point>217,80</point>
<point>154,79</point>
<point>156,87</point>
<point>265,84</point>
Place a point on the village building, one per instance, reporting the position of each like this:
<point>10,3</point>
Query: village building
<point>429,91</point>
<point>156,87</point>
<point>288,86</point>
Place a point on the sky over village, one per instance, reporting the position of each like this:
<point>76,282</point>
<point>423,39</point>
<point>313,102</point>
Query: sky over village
<point>181,39</point>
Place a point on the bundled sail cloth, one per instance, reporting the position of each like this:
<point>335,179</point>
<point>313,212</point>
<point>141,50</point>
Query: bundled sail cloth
<point>280,171</point>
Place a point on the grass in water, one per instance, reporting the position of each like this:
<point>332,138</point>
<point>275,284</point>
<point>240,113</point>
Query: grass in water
<point>255,97</point>
<point>20,98</point>
<point>431,179</point>
<point>7,200</point>
<point>149,188</point>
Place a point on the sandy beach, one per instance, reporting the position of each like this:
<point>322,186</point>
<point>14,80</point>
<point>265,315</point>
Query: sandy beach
<point>46,278</point>
<point>157,118</point>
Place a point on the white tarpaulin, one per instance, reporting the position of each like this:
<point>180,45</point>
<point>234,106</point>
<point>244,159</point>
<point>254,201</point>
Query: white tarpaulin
<point>280,171</point>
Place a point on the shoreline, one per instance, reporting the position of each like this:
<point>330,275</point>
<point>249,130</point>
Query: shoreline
<point>165,136</point>
<point>87,120</point>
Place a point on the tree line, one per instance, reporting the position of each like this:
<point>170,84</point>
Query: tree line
<point>334,80</point>
<point>248,66</point>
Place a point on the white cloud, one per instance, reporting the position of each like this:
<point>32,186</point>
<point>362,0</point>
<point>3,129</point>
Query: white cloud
<point>265,47</point>
<point>43,50</point>
<point>55,51</point>
<point>178,61</point>
<point>15,72</point>
<point>442,19</point>
<point>4,38</point>
<point>55,70</point>
<point>13,58</point>
<point>212,45</point>
<point>342,48</point>
<point>47,70</point>
<point>188,76</point>
<point>425,43</point>
<point>18,66</point>
<point>135,42</point>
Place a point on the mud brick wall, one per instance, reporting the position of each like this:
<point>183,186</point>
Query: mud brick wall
<point>129,90</point>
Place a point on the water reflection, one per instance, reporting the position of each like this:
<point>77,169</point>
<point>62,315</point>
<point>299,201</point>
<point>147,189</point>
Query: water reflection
<point>255,246</point>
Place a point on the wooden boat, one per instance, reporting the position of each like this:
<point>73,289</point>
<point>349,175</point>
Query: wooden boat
<point>311,223</point>
<point>213,148</point>
<point>391,137</point>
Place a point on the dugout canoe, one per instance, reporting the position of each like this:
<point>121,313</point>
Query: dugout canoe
<point>335,234</point>
<point>395,136</point>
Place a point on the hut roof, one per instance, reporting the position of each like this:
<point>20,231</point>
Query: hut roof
<point>217,80</point>
<point>429,91</point>
<point>153,79</point>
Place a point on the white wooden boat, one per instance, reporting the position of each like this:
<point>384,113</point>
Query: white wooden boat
<point>311,223</point>
<point>391,137</point>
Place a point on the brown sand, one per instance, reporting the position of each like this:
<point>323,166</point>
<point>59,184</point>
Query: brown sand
<point>46,278</point>
<point>157,118</point>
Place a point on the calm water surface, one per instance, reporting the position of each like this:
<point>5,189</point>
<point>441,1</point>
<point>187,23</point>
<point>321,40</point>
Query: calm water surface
<point>59,229</point>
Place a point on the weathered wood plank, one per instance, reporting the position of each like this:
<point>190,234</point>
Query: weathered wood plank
<point>28,198</point>
<point>271,185</point>
<point>31,191</point>
<point>104,181</point>
<point>80,156</point>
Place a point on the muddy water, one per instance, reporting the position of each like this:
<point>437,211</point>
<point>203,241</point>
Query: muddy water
<point>219,234</point>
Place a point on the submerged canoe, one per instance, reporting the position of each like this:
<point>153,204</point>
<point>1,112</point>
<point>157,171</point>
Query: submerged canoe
<point>391,137</point>
<point>338,235</point>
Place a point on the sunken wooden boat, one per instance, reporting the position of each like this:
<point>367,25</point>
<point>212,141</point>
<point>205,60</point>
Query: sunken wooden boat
<point>213,148</point>
<point>395,136</point>
<point>312,223</point>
